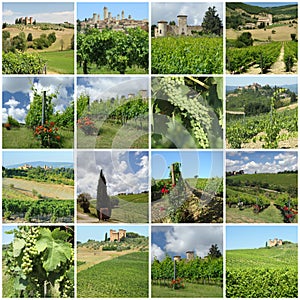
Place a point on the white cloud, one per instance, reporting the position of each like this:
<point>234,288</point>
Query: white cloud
<point>199,239</point>
<point>157,252</point>
<point>4,115</point>
<point>17,113</point>
<point>117,169</point>
<point>194,11</point>
<point>268,163</point>
<point>12,102</point>
<point>107,88</point>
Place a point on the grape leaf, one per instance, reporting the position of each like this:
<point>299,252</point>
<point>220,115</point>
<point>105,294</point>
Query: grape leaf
<point>18,245</point>
<point>57,251</point>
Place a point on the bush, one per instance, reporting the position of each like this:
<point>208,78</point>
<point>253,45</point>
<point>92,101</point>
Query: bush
<point>13,122</point>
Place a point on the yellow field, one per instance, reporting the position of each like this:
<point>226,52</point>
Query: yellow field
<point>64,34</point>
<point>283,33</point>
<point>92,257</point>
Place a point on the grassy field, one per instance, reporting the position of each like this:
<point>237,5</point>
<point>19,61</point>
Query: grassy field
<point>59,62</point>
<point>268,215</point>
<point>131,209</point>
<point>275,257</point>
<point>7,285</point>
<point>283,33</point>
<point>283,180</point>
<point>24,138</point>
<point>12,187</point>
<point>190,291</point>
<point>122,277</point>
<point>112,136</point>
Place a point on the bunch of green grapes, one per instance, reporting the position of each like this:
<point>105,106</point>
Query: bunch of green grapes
<point>192,108</point>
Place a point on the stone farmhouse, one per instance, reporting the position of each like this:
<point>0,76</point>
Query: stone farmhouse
<point>190,255</point>
<point>164,29</point>
<point>117,235</point>
<point>275,242</point>
<point>117,23</point>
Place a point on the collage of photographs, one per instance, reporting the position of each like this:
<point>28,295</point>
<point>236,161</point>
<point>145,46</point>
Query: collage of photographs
<point>149,149</point>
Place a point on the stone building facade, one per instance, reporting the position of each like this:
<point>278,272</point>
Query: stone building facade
<point>275,242</point>
<point>164,29</point>
<point>117,235</point>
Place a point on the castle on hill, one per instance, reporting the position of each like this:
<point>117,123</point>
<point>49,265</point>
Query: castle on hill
<point>117,23</point>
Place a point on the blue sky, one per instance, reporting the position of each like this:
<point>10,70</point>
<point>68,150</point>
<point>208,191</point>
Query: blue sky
<point>41,11</point>
<point>107,87</point>
<point>138,11</point>
<point>17,94</point>
<point>16,157</point>
<point>261,161</point>
<point>205,164</point>
<point>125,171</point>
<point>269,4</point>
<point>97,232</point>
<point>176,240</point>
<point>262,80</point>
<point>250,237</point>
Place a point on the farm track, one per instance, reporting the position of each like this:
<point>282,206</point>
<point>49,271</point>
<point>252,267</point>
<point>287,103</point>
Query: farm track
<point>279,67</point>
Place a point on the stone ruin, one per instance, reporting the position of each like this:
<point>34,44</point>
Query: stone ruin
<point>103,205</point>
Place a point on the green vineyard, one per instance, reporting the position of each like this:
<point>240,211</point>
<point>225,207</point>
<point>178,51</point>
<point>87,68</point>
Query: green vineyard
<point>187,55</point>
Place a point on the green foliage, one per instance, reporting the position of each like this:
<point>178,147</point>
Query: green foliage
<point>246,39</point>
<point>290,55</point>
<point>212,22</point>
<point>187,55</point>
<point>115,49</point>
<point>66,118</point>
<point>244,130</point>
<point>276,276</point>
<point>19,42</point>
<point>41,262</point>
<point>125,276</point>
<point>194,270</point>
<point>39,174</point>
<point>22,63</point>
<point>239,59</point>
<point>82,105</point>
<point>13,122</point>
<point>39,210</point>
<point>51,38</point>
<point>29,37</point>
<point>180,120</point>
<point>34,116</point>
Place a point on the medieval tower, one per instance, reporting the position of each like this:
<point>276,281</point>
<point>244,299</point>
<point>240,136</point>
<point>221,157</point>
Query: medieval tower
<point>116,236</point>
<point>182,25</point>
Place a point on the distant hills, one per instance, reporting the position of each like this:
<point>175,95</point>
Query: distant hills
<point>287,10</point>
<point>291,87</point>
<point>42,164</point>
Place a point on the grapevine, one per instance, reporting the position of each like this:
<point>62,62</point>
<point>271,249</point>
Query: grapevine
<point>41,260</point>
<point>189,116</point>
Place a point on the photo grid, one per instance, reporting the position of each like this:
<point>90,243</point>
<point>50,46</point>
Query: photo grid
<point>149,149</point>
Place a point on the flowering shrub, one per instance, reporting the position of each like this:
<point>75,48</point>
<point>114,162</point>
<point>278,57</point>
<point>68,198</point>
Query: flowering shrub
<point>177,284</point>
<point>164,190</point>
<point>289,214</point>
<point>87,126</point>
<point>48,135</point>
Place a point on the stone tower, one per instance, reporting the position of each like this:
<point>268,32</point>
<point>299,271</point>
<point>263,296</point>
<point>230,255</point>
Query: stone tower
<point>122,15</point>
<point>94,18</point>
<point>182,25</point>
<point>189,255</point>
<point>103,205</point>
<point>105,13</point>
<point>177,258</point>
<point>161,29</point>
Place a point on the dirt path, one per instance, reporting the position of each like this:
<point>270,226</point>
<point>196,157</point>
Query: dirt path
<point>291,106</point>
<point>279,67</point>
<point>84,218</point>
